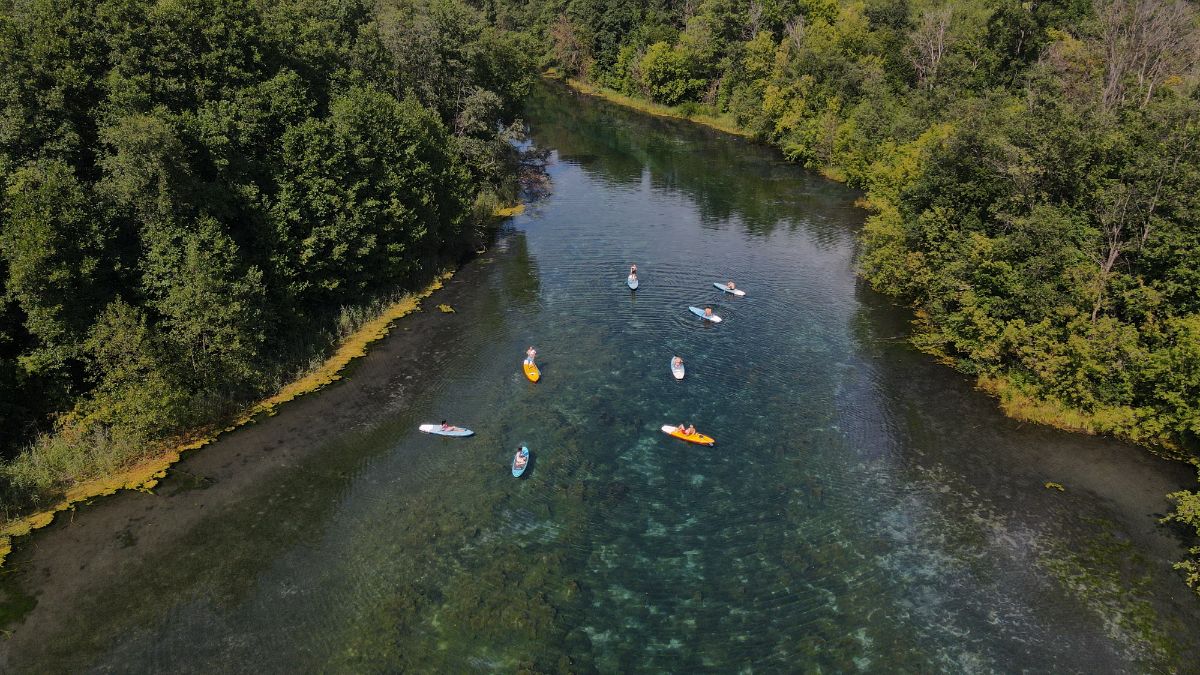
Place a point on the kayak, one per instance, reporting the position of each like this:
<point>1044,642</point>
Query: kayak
<point>452,431</point>
<point>632,281</point>
<point>700,439</point>
<point>735,291</point>
<point>518,470</point>
<point>532,372</point>
<point>677,372</point>
<point>700,313</point>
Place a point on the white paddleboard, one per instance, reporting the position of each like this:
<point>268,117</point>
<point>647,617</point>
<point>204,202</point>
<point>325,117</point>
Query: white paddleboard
<point>735,291</point>
<point>677,372</point>
<point>700,313</point>
<point>632,281</point>
<point>437,429</point>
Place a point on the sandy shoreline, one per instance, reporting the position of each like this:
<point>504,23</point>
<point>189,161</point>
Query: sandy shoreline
<point>95,546</point>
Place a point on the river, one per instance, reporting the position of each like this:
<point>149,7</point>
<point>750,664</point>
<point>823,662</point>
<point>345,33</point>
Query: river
<point>863,509</point>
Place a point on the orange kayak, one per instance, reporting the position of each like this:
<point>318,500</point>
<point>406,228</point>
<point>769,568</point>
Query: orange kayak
<point>532,372</point>
<point>700,439</point>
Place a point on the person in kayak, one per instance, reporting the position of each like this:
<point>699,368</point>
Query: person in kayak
<point>708,312</point>
<point>676,362</point>
<point>522,458</point>
<point>686,430</point>
<point>530,354</point>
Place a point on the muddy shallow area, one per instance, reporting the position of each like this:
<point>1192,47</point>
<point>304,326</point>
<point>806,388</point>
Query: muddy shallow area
<point>97,545</point>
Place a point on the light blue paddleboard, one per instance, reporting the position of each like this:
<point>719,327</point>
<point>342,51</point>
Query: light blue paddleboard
<point>700,313</point>
<point>735,291</point>
<point>437,429</point>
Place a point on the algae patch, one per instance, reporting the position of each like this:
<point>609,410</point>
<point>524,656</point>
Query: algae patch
<point>508,211</point>
<point>1108,576</point>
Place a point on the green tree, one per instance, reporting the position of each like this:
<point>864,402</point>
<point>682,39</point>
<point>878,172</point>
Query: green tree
<point>369,195</point>
<point>60,272</point>
<point>667,75</point>
<point>211,303</point>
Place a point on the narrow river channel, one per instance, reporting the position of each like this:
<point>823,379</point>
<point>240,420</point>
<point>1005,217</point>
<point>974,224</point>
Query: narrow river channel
<point>863,509</point>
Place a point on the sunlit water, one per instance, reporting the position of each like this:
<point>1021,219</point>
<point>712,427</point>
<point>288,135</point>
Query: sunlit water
<point>863,509</point>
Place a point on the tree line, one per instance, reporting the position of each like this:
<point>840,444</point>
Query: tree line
<point>191,191</point>
<point>1032,171</point>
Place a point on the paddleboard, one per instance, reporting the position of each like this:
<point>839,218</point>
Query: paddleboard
<point>437,429</point>
<point>699,439</point>
<point>532,372</point>
<point>735,291</point>
<point>518,470</point>
<point>677,372</point>
<point>632,281</point>
<point>700,313</point>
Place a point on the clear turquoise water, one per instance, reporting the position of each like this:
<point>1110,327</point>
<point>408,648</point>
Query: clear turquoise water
<point>863,509</point>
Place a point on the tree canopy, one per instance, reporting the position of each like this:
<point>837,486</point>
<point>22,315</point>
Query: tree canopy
<point>189,188</point>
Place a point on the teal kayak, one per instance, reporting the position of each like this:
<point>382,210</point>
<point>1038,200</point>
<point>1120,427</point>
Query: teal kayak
<point>522,457</point>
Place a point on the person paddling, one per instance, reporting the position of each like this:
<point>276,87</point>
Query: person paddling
<point>708,312</point>
<point>530,354</point>
<point>676,362</point>
<point>521,459</point>
<point>730,285</point>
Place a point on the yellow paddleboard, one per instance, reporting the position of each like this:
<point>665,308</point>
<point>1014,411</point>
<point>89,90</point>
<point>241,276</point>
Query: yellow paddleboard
<point>701,439</point>
<point>532,372</point>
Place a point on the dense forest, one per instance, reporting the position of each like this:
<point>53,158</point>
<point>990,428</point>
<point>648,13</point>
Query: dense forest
<point>195,194</point>
<point>1032,170</point>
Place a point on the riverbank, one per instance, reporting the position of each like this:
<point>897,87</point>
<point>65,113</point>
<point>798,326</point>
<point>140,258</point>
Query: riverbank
<point>146,473</point>
<point>196,487</point>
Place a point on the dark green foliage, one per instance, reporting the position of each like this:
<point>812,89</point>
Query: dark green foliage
<point>190,190</point>
<point>370,193</point>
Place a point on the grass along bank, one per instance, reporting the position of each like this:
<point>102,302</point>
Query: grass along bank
<point>694,112</point>
<point>358,329</point>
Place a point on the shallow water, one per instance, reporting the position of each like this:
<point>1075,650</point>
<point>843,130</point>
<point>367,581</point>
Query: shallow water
<point>863,508</point>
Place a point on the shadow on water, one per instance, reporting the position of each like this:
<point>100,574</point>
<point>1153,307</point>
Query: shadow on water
<point>520,275</point>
